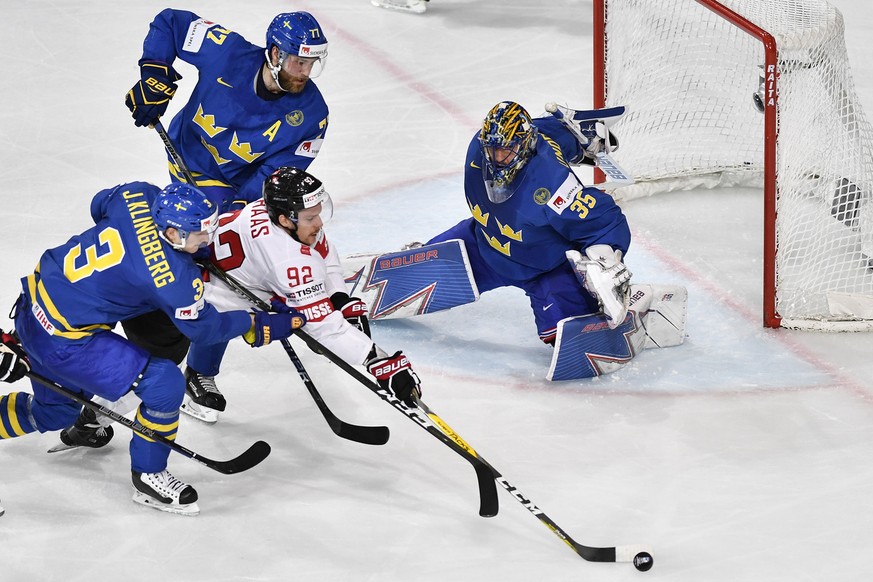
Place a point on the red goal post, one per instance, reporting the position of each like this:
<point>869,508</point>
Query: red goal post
<point>688,70</point>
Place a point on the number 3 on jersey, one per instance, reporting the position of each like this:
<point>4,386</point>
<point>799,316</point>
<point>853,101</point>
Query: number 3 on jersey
<point>111,253</point>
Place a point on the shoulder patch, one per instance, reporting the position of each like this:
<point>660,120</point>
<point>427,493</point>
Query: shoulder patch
<point>196,33</point>
<point>190,312</point>
<point>309,148</point>
<point>558,202</point>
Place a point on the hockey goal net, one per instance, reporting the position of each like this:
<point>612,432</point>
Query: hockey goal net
<point>752,93</point>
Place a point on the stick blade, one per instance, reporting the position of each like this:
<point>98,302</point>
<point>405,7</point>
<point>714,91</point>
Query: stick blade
<point>366,435</point>
<point>251,457</point>
<point>489,505</point>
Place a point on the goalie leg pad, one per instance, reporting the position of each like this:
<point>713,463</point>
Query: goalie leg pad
<point>416,281</point>
<point>663,310</point>
<point>586,346</point>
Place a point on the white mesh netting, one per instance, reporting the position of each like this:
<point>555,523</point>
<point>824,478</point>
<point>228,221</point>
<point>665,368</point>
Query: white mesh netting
<point>688,76</point>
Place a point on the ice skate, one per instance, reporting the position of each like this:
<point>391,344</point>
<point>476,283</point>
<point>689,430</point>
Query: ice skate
<point>86,432</point>
<point>414,6</point>
<point>164,492</point>
<point>203,400</point>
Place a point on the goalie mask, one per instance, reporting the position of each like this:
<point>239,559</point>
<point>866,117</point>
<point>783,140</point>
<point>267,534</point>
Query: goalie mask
<point>508,140</point>
<point>298,36</point>
<point>289,190</point>
<point>186,209</point>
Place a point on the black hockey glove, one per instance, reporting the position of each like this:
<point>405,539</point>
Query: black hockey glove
<point>273,326</point>
<point>148,99</point>
<point>395,373</point>
<point>353,309</point>
<point>13,361</point>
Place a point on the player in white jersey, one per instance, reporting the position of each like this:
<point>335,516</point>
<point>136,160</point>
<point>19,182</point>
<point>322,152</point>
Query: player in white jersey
<point>276,247</point>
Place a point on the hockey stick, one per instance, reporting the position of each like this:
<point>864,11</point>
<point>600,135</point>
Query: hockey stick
<point>171,149</point>
<point>639,555</point>
<point>251,457</point>
<point>368,435</point>
<point>376,435</point>
<point>488,502</point>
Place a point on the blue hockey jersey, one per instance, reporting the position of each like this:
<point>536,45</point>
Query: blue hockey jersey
<point>121,268</point>
<point>549,212</point>
<point>225,131</point>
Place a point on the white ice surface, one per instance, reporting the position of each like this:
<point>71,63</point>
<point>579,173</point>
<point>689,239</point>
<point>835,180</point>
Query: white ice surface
<point>744,454</point>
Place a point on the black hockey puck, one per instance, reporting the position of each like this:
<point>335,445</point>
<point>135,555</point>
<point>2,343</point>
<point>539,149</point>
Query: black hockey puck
<point>644,561</point>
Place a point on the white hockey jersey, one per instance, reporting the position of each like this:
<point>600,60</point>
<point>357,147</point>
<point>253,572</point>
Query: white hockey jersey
<point>270,263</point>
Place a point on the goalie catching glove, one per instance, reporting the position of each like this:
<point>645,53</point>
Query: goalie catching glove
<point>394,373</point>
<point>591,130</point>
<point>13,361</point>
<point>149,98</point>
<point>604,276</point>
<point>273,326</point>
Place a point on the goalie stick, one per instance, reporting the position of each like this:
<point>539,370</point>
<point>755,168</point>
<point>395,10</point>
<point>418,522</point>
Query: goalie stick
<point>488,503</point>
<point>368,435</point>
<point>251,457</point>
<point>376,435</point>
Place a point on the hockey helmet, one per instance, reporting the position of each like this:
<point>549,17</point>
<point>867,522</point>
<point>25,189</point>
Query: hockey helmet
<point>508,140</point>
<point>297,34</point>
<point>289,190</point>
<point>185,208</point>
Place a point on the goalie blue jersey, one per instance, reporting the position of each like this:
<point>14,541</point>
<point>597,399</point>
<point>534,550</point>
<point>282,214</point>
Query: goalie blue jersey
<point>549,212</point>
<point>121,268</point>
<point>225,131</point>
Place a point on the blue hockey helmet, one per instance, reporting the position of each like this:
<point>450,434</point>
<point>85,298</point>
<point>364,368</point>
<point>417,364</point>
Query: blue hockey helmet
<point>298,34</point>
<point>185,208</point>
<point>508,140</point>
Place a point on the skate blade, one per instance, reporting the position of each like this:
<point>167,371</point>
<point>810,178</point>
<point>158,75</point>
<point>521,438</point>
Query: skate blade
<point>62,446</point>
<point>189,510</point>
<point>191,408</point>
<point>418,9</point>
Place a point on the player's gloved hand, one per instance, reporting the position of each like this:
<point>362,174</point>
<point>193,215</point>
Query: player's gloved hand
<point>395,373</point>
<point>13,361</point>
<point>273,326</point>
<point>353,309</point>
<point>148,99</point>
<point>604,276</point>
